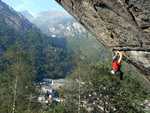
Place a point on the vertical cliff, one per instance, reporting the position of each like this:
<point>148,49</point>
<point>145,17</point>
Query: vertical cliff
<point>117,24</point>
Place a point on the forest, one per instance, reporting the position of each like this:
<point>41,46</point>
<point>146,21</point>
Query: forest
<point>34,56</point>
<point>26,58</point>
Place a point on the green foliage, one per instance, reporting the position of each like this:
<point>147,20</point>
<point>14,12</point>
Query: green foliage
<point>56,108</point>
<point>26,57</point>
<point>17,67</point>
<point>99,89</point>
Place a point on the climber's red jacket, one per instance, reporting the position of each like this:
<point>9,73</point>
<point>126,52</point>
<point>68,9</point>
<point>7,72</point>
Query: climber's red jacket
<point>116,66</point>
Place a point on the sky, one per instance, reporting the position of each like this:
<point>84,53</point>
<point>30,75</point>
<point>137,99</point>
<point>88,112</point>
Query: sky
<point>34,6</point>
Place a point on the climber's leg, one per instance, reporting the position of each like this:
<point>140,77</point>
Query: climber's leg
<point>119,74</point>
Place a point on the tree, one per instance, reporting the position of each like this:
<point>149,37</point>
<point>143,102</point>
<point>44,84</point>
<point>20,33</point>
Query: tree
<point>16,80</point>
<point>101,93</point>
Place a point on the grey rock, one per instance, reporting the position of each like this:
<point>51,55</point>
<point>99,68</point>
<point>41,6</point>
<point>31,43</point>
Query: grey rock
<point>117,24</point>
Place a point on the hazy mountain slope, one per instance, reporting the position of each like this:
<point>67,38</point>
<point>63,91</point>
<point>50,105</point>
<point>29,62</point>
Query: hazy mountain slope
<point>15,28</point>
<point>27,15</point>
<point>56,23</point>
<point>13,19</point>
<point>60,24</point>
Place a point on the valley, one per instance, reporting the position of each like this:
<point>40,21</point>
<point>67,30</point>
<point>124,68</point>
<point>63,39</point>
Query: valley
<point>49,63</point>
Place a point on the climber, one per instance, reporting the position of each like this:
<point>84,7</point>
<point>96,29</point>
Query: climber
<point>116,64</point>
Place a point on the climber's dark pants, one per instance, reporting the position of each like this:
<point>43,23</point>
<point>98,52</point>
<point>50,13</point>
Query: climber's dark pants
<point>120,74</point>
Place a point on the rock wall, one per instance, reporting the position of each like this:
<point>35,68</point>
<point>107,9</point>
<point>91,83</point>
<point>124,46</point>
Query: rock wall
<point>118,24</point>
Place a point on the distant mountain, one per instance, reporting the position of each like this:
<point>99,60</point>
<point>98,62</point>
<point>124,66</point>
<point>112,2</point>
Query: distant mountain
<point>27,15</point>
<point>51,14</point>
<point>13,19</point>
<point>56,23</point>
<point>16,29</point>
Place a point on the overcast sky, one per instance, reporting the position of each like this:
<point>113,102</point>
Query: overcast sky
<point>34,6</point>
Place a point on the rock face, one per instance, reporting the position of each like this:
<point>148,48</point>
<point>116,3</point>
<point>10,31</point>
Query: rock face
<point>119,24</point>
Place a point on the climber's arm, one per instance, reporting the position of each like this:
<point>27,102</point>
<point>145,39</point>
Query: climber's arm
<point>120,57</point>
